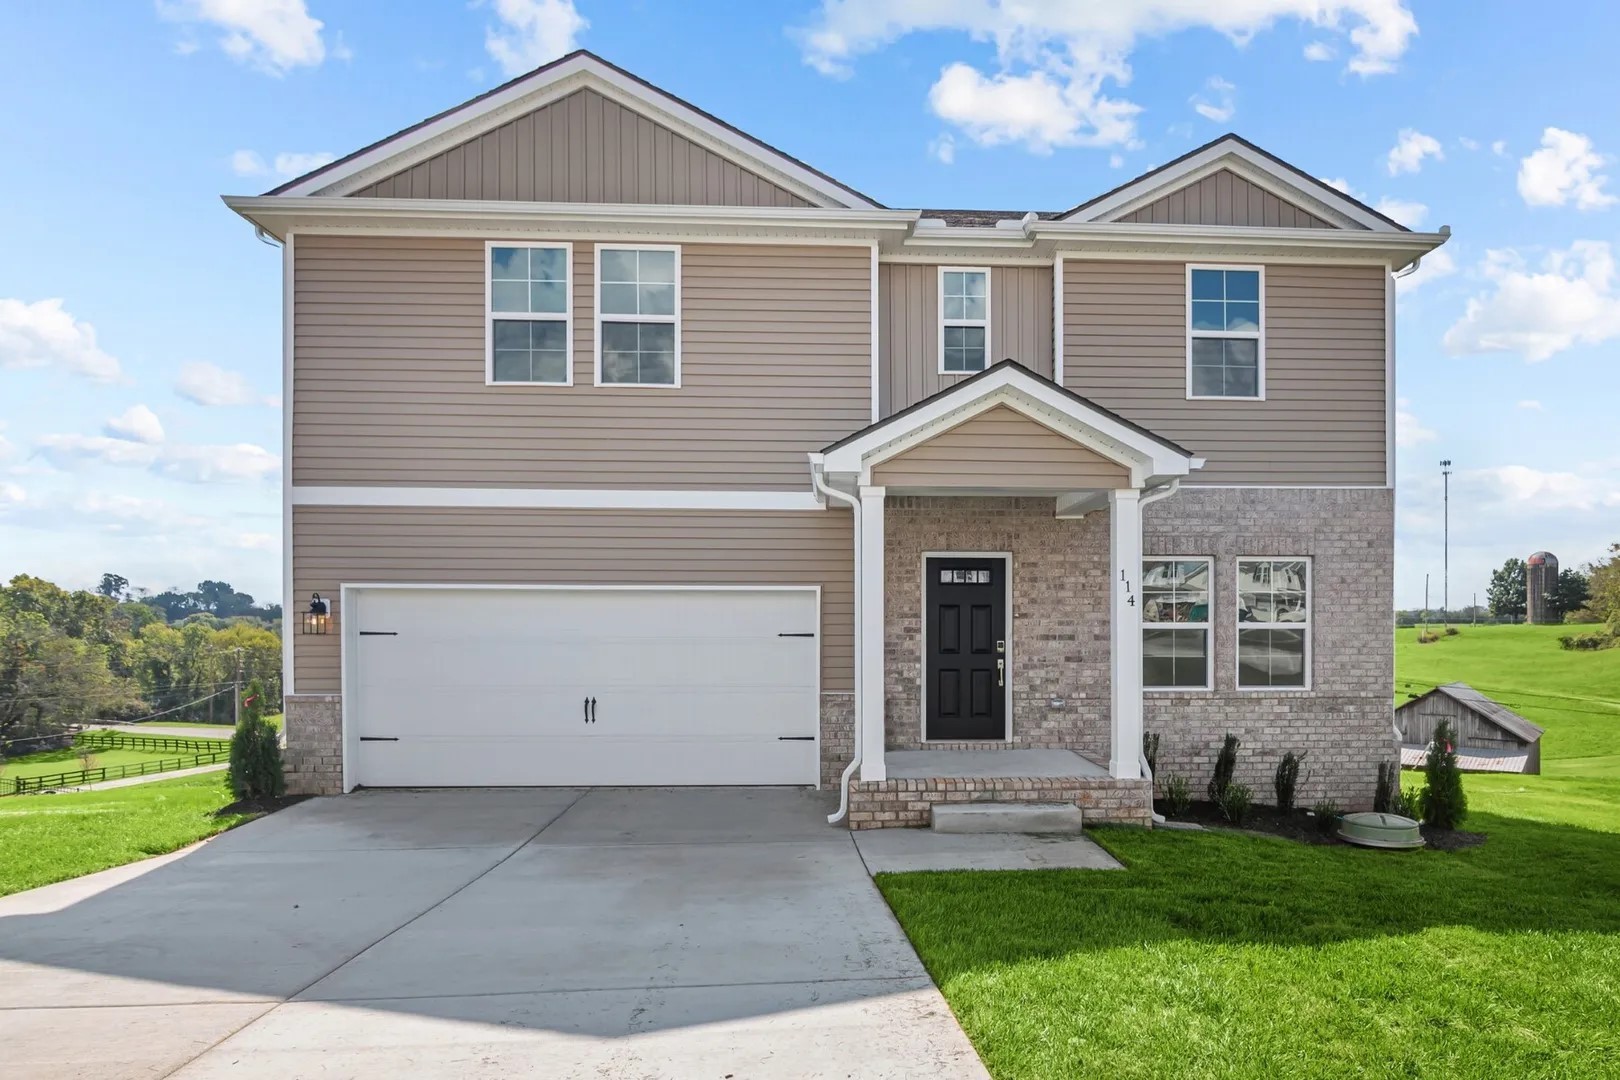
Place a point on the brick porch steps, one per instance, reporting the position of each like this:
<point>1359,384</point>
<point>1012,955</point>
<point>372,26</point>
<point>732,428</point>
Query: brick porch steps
<point>1039,818</point>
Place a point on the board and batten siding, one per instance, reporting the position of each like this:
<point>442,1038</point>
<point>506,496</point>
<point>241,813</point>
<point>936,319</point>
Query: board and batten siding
<point>1224,198</point>
<point>908,328</point>
<point>1001,448</point>
<point>583,148</point>
<point>1323,420</point>
<point>333,546</point>
<point>388,373</point>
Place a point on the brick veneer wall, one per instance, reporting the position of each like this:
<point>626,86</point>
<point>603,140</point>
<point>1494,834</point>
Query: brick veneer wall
<point>1059,634</point>
<point>313,728</point>
<point>888,804</point>
<point>837,735</point>
<point>1344,721</point>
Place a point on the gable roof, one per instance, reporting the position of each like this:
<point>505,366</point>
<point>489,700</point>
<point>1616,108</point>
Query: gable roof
<point>1234,152</point>
<point>582,67</point>
<point>1495,712</point>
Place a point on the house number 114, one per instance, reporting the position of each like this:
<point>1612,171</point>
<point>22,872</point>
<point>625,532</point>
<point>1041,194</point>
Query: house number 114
<point>1130,597</point>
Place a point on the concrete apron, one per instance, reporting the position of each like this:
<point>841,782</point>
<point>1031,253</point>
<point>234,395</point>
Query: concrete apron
<point>646,932</point>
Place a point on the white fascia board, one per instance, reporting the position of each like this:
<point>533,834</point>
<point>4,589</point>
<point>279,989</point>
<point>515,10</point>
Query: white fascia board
<point>280,213</point>
<point>549,84</point>
<point>1272,177</point>
<point>1023,394</point>
<point>554,498</point>
<point>1087,239</point>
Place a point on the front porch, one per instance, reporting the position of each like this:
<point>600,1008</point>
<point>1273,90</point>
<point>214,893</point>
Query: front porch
<point>917,780</point>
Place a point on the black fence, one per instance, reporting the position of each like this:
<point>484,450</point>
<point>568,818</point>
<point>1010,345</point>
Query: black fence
<point>190,753</point>
<point>163,744</point>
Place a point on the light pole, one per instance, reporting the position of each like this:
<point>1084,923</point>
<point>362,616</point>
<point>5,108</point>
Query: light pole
<point>1445,544</point>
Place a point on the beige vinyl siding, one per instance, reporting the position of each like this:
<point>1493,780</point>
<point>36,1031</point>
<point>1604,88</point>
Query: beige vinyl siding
<point>389,385</point>
<point>1224,198</point>
<point>333,546</point>
<point>1005,449</point>
<point>1125,347</point>
<point>583,148</point>
<point>908,328</point>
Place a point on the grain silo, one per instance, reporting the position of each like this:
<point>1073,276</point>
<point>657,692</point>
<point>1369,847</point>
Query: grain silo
<point>1540,579</point>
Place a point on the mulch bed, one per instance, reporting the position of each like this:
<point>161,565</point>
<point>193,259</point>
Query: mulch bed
<point>1301,826</point>
<point>260,806</point>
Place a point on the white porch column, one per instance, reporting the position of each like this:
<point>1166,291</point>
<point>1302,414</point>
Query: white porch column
<point>1125,632</point>
<point>869,639</point>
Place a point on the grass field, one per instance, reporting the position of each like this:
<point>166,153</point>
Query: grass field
<point>1227,955</point>
<point>49,838</point>
<point>65,761</point>
<point>204,728</point>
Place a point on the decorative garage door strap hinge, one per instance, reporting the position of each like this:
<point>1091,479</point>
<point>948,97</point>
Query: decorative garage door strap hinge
<point>806,633</point>
<point>379,633</point>
<point>379,738</point>
<point>795,738</point>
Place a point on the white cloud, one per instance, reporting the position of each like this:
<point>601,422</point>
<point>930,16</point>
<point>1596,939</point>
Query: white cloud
<point>218,464</point>
<point>1049,86</point>
<point>1435,265</point>
<point>252,541</point>
<point>44,334</point>
<point>70,451</point>
<point>1570,300</point>
<point>248,163</point>
<point>1411,147</point>
<point>7,447</point>
<point>137,424</point>
<point>1517,488</point>
<point>1408,431</point>
<point>1531,404</point>
<point>532,32</point>
<point>1499,147</point>
<point>286,164</point>
<point>943,149</point>
<point>1116,161</point>
<point>1218,103</point>
<point>273,36</point>
<point>11,494</point>
<point>209,384</point>
<point>1339,183</point>
<point>1564,170</point>
<point>1319,52</point>
<point>1405,211</point>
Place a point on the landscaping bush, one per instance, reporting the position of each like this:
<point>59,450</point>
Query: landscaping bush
<point>1427,636</point>
<point>1590,640</point>
<point>255,769</point>
<point>1442,801</point>
<point>1389,783</point>
<point>1150,750</point>
<point>1225,765</point>
<point>1286,779</point>
<point>1177,795</point>
<point>1397,799</point>
<point>1235,801</point>
<point>1327,815</point>
<point>1452,631</point>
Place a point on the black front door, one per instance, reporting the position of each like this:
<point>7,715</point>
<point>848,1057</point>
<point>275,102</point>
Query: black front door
<point>965,646</point>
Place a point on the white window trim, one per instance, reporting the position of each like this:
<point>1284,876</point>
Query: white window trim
<point>939,299</point>
<point>490,314</point>
<point>1309,625</point>
<point>599,318</point>
<point>1207,626</point>
<point>1259,338</point>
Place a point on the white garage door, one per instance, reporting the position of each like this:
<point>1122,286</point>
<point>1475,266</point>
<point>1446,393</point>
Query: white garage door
<point>476,687</point>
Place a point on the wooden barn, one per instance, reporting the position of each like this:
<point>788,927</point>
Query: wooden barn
<point>1491,736</point>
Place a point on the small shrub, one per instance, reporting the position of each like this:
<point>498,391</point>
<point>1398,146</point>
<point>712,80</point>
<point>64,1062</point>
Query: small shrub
<point>1452,631</point>
<point>255,769</point>
<point>1442,801</point>
<point>1235,802</point>
<point>1389,782</point>
<point>1327,814</point>
<point>1589,641</point>
<point>1397,799</point>
<point>1177,795</point>
<point>86,756</point>
<point>1225,765</point>
<point>1285,781</point>
<point>1150,750</point>
<point>1425,637</point>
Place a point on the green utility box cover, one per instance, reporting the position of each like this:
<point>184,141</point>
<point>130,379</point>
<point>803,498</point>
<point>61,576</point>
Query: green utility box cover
<point>1380,830</point>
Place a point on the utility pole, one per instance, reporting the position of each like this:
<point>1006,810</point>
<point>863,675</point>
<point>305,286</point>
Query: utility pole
<point>1425,608</point>
<point>1445,544</point>
<point>1473,611</point>
<point>236,690</point>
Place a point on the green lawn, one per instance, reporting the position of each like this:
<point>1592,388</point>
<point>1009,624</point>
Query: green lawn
<point>1224,955</point>
<point>48,838</point>
<point>204,728</point>
<point>58,761</point>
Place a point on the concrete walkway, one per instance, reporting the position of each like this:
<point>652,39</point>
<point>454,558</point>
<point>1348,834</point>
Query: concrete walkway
<point>131,781</point>
<point>518,932</point>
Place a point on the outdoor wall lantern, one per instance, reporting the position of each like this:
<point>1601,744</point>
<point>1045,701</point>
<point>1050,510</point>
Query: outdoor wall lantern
<point>316,619</point>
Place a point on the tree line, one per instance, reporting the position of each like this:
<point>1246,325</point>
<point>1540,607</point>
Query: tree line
<point>72,656</point>
<point>1590,594</point>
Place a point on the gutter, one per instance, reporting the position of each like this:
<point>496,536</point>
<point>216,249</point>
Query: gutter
<point>827,491</point>
<point>1147,500</point>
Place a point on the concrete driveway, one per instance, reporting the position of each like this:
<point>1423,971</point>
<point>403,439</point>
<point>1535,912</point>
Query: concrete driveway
<point>537,932</point>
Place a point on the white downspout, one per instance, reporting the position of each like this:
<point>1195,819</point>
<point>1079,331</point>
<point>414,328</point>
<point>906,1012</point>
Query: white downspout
<point>855,761</point>
<point>1152,497</point>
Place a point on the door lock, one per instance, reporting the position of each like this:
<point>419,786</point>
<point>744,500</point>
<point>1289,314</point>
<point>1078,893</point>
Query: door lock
<point>1001,646</point>
<point>1001,672</point>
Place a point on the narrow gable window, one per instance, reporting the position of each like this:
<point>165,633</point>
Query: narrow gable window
<point>1226,338</point>
<point>1175,624</point>
<point>528,315</point>
<point>638,316</point>
<point>964,324</point>
<point>1274,624</point>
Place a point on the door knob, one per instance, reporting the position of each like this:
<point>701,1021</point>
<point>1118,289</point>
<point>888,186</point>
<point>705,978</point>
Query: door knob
<point>1001,672</point>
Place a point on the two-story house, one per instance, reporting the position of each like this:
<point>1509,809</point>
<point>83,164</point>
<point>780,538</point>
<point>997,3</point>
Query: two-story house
<point>625,449</point>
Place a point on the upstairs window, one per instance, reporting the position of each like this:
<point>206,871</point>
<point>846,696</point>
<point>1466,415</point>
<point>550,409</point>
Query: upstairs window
<point>638,315</point>
<point>1274,624</point>
<point>1226,332</point>
<point>1175,624</point>
<point>964,323</point>
<point>528,317</point>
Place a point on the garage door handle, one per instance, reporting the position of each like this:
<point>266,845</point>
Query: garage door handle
<point>590,710</point>
<point>593,710</point>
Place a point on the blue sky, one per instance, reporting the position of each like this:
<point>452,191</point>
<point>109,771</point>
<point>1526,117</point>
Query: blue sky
<point>139,319</point>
